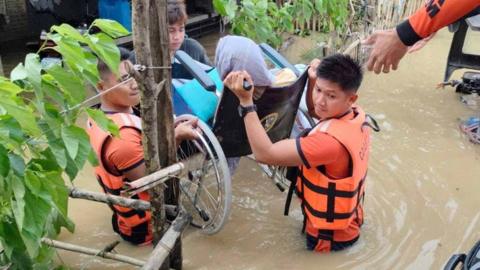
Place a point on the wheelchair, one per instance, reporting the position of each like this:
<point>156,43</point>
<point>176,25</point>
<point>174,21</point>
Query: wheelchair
<point>197,91</point>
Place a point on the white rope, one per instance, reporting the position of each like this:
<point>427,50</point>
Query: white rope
<point>96,96</point>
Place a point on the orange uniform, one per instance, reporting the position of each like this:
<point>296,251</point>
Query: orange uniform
<point>118,155</point>
<point>331,181</point>
<point>435,15</point>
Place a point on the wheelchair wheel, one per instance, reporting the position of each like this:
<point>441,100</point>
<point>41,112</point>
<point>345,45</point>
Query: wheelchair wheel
<point>206,188</point>
<point>277,174</point>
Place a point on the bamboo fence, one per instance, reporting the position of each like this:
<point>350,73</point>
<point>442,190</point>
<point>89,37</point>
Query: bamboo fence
<point>365,16</point>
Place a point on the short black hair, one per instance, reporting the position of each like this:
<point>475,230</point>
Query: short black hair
<point>341,69</point>
<point>103,68</point>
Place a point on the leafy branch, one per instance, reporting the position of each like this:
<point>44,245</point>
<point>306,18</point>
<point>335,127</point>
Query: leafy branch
<point>40,140</point>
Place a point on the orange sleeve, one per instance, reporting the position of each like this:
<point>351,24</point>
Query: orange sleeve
<point>126,152</point>
<point>319,149</point>
<point>434,15</point>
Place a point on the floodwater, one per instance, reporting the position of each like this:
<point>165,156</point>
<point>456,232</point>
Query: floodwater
<point>421,203</point>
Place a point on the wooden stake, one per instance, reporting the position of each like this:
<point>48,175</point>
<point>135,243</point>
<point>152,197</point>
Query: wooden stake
<point>165,246</point>
<point>117,200</point>
<point>93,252</point>
<point>154,179</point>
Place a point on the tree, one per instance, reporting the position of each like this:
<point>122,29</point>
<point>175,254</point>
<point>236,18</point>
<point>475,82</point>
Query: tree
<point>40,140</point>
<point>151,48</point>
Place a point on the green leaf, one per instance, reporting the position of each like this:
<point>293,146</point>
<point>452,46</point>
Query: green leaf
<point>54,184</point>
<point>33,182</point>
<point>4,162</point>
<point>226,8</point>
<point>77,144</point>
<point>92,158</point>
<point>18,73</point>
<point>90,71</point>
<point>71,169</point>
<point>319,5</point>
<point>59,152</point>
<point>33,68</point>
<point>56,222</point>
<point>84,148</point>
<point>22,113</point>
<point>219,6</point>
<point>106,49</point>
<point>103,121</point>
<point>37,210</point>
<point>11,132</point>
<point>69,137</point>
<point>72,86</point>
<point>18,202</point>
<point>44,260</point>
<point>78,59</point>
<point>68,31</point>
<point>17,164</point>
<point>111,28</point>
<point>13,245</point>
<point>52,91</point>
<point>9,88</point>
<point>47,161</point>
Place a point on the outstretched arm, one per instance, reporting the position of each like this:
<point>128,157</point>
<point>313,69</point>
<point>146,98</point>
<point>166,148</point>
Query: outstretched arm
<point>389,46</point>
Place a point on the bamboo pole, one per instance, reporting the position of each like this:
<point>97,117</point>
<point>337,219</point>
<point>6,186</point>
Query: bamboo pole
<point>154,179</point>
<point>77,193</point>
<point>93,252</point>
<point>165,245</point>
<point>351,47</point>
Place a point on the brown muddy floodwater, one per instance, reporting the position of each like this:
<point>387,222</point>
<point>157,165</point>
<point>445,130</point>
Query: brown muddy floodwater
<point>422,194</point>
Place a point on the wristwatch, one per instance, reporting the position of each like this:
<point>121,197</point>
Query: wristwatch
<point>242,111</point>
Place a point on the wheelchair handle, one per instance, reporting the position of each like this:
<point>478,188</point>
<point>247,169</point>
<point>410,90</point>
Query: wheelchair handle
<point>199,74</point>
<point>246,85</point>
<point>277,58</point>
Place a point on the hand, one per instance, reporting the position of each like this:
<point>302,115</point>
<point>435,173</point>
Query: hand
<point>420,44</point>
<point>312,71</point>
<point>234,82</point>
<point>312,78</point>
<point>387,51</point>
<point>186,130</point>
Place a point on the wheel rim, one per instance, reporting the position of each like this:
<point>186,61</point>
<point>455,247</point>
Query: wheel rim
<point>205,188</point>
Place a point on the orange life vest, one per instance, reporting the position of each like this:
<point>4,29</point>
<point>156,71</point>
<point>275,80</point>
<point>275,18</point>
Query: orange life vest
<point>133,225</point>
<point>332,204</point>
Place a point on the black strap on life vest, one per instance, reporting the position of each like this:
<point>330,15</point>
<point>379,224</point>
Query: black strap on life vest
<point>127,214</point>
<point>325,235</point>
<point>138,233</point>
<point>373,125</point>
<point>292,175</point>
<point>331,192</point>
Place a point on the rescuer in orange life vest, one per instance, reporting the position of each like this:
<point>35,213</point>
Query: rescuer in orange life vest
<point>332,158</point>
<point>121,158</point>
